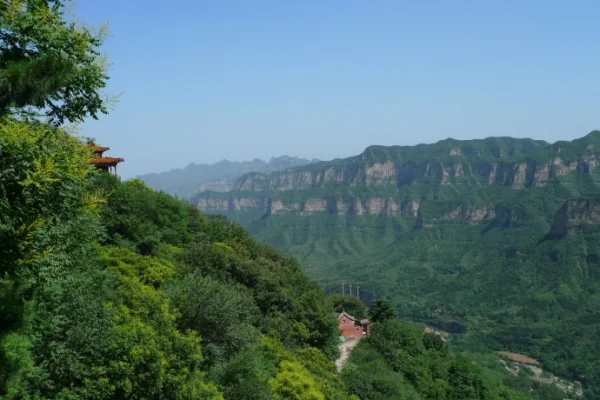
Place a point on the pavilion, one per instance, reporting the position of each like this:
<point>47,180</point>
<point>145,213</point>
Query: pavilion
<point>108,164</point>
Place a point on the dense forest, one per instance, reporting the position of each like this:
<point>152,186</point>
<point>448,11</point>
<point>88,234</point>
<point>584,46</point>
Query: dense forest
<point>494,240</point>
<point>111,290</point>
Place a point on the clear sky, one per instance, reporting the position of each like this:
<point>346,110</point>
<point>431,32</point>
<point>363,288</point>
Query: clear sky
<point>205,80</point>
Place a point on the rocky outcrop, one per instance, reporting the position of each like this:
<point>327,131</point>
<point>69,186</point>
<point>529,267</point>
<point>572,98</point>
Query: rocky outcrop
<point>473,215</point>
<point>370,206</point>
<point>217,185</point>
<point>577,216</point>
<point>384,206</point>
<point>356,185</point>
<point>212,205</point>
<point>517,175</point>
<point>216,205</point>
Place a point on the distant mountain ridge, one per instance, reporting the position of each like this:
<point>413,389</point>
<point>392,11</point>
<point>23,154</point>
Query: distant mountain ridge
<point>218,177</point>
<point>496,240</point>
<point>396,172</point>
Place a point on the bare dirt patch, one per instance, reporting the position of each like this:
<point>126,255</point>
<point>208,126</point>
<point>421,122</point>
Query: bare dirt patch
<point>345,350</point>
<point>522,358</point>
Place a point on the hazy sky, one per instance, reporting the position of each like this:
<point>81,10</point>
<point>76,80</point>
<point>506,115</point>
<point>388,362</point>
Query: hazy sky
<point>207,80</point>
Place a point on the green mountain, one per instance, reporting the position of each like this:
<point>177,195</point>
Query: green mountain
<point>494,240</point>
<point>220,176</point>
<point>111,290</point>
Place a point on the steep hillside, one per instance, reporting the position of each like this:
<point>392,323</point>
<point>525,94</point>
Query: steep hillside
<point>110,290</point>
<point>219,177</point>
<point>493,239</point>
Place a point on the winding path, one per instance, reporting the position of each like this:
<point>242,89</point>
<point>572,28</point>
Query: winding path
<point>345,351</point>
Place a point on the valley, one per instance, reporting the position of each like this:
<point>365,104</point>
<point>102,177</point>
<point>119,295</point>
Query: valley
<point>494,240</point>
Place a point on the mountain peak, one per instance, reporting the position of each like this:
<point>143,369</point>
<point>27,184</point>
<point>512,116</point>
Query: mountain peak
<point>219,176</point>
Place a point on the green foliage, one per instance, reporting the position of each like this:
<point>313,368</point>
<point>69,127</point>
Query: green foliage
<point>433,341</point>
<point>396,363</point>
<point>150,357</point>
<point>466,381</point>
<point>287,300</point>
<point>42,174</point>
<point>306,373</point>
<point>293,381</point>
<point>49,63</point>
<point>508,265</point>
<point>350,304</point>
<point>381,310</point>
<point>111,290</point>
<point>245,375</point>
<point>140,219</point>
<point>222,314</point>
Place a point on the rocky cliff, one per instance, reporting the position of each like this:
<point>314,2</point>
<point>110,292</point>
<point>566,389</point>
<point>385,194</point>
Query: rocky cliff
<point>514,174</point>
<point>495,239</point>
<point>392,181</point>
<point>577,216</point>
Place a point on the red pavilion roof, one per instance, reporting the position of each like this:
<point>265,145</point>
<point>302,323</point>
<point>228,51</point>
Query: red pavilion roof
<point>97,149</point>
<point>106,160</point>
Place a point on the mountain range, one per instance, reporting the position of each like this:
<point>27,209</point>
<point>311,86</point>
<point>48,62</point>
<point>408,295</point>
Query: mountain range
<point>220,176</point>
<point>493,240</point>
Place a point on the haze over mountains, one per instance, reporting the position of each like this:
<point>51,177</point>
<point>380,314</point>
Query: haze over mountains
<point>218,177</point>
<point>495,240</point>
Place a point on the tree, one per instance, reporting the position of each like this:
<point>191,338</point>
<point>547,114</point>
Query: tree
<point>381,310</point>
<point>350,304</point>
<point>49,63</point>
<point>42,181</point>
<point>222,314</point>
<point>466,381</point>
<point>433,341</point>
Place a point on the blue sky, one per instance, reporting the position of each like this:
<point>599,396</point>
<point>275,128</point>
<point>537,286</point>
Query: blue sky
<point>207,80</point>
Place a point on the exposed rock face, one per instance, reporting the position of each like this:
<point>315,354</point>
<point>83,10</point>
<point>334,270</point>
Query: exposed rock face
<point>313,206</point>
<point>520,176</point>
<point>379,174</point>
<point>580,215</point>
<point>516,175</point>
<point>219,185</point>
<point>213,205</point>
<point>392,181</point>
<point>385,206</point>
<point>278,207</point>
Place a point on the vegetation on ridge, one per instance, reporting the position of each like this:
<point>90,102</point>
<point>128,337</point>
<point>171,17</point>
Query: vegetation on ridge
<point>109,289</point>
<point>509,263</point>
<point>112,290</point>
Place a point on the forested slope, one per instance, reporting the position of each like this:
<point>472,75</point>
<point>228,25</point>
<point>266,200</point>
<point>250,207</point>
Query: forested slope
<point>495,240</point>
<point>112,290</point>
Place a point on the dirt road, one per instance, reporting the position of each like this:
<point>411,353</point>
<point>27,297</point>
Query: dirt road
<point>345,350</point>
